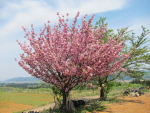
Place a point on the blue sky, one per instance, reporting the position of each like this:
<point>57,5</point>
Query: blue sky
<point>17,13</point>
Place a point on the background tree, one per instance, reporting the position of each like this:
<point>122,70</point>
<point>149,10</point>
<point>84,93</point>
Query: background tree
<point>66,56</point>
<point>135,65</point>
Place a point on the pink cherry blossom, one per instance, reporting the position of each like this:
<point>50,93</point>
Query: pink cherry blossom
<point>65,55</point>
<point>99,88</point>
<point>103,85</point>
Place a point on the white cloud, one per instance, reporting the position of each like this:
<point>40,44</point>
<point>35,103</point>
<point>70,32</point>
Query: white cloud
<point>90,6</point>
<point>27,12</point>
<point>97,6</point>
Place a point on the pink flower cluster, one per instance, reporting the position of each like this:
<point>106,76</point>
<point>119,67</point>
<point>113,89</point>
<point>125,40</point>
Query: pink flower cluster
<point>66,56</point>
<point>91,85</point>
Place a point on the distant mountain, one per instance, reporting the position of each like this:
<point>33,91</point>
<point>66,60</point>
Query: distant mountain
<point>128,78</point>
<point>36,80</point>
<point>147,75</point>
<point>22,80</point>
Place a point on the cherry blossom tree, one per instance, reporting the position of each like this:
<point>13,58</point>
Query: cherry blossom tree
<point>66,55</point>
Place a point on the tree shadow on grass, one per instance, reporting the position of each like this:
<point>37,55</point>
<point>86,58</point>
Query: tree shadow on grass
<point>92,105</point>
<point>134,101</point>
<point>96,105</point>
<point>91,108</point>
<point>114,100</point>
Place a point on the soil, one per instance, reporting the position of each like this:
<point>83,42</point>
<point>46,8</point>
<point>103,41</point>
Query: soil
<point>139,104</point>
<point>130,104</point>
<point>9,107</point>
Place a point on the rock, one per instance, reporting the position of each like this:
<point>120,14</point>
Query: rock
<point>81,102</point>
<point>78,103</point>
<point>148,88</point>
<point>70,106</point>
<point>135,92</point>
<point>127,91</point>
<point>132,94</point>
<point>141,88</point>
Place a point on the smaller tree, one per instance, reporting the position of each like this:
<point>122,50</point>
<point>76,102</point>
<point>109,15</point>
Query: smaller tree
<point>135,65</point>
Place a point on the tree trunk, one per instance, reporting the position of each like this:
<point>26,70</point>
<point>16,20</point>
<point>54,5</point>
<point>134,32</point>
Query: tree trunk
<point>102,91</point>
<point>67,104</point>
<point>65,97</point>
<point>102,94</point>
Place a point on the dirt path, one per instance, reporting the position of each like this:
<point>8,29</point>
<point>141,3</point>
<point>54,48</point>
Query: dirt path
<point>131,105</point>
<point>41,108</point>
<point>51,105</point>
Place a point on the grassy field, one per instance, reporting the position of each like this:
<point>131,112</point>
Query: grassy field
<point>15,100</point>
<point>31,98</point>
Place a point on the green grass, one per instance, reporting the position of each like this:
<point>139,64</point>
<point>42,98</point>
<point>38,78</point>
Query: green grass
<point>96,106</point>
<point>83,93</point>
<point>25,98</point>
